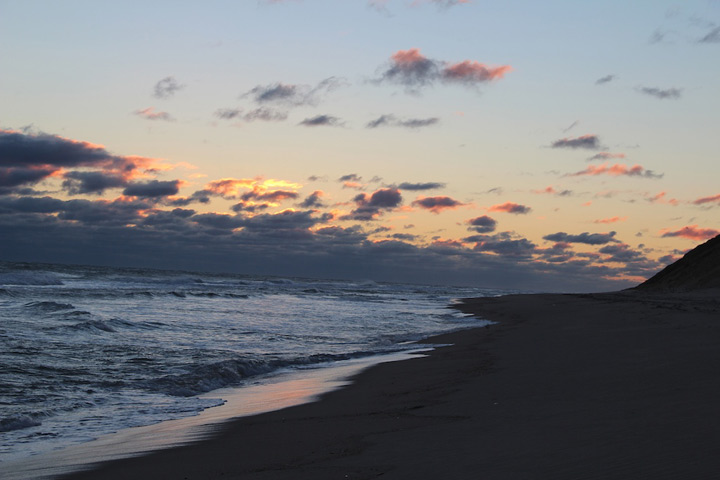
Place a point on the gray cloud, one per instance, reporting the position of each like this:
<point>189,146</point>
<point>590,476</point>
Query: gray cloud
<point>411,123</point>
<point>482,224</point>
<point>219,221</point>
<point>313,200</point>
<point>621,253</point>
<point>590,142</point>
<point>290,95</point>
<point>713,36</point>
<point>351,177</point>
<point>262,114</point>
<point>153,188</point>
<point>504,244</point>
<point>437,204</point>
<point>420,186</point>
<point>166,87</point>
<point>585,238</point>
<point>605,79</point>
<point>661,93</point>
<point>369,207</point>
<point>26,159</point>
<point>322,121</point>
<point>282,244</point>
<point>82,182</point>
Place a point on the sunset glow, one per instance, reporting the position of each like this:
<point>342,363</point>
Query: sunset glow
<point>489,146</point>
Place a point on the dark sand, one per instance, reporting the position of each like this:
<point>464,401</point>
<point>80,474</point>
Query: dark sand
<point>623,385</point>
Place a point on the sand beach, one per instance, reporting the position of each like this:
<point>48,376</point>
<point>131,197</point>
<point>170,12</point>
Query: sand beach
<point>607,385</point>
<point>619,385</point>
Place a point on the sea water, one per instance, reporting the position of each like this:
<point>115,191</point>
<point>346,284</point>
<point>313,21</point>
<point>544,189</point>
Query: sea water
<point>86,351</point>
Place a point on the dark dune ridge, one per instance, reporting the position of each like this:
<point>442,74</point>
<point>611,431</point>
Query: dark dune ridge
<point>699,269</point>
<point>597,386</point>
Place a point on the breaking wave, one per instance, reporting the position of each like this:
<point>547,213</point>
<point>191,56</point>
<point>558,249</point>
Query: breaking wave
<point>30,278</point>
<point>226,373</point>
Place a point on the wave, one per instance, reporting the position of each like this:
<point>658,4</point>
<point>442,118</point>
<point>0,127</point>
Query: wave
<point>93,326</point>
<point>17,423</point>
<point>50,306</point>
<point>30,278</point>
<point>226,373</point>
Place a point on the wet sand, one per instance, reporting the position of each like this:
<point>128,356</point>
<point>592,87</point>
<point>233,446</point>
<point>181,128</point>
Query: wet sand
<point>621,385</point>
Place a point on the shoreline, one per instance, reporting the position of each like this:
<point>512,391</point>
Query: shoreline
<point>618,385</point>
<point>265,394</point>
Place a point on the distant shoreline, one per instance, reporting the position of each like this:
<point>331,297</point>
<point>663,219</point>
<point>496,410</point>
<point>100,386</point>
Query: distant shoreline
<point>619,385</point>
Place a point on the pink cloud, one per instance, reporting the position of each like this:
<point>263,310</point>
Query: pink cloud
<point>408,58</point>
<point>413,69</point>
<point>472,72</point>
<point>616,170</point>
<point>509,207</point>
<point>552,191</point>
<point>660,198</point>
<point>703,200</point>
<point>150,114</point>
<point>610,220</point>
<point>692,232</point>
<point>353,185</point>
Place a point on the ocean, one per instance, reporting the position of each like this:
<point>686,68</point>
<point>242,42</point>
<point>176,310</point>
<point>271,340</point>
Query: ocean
<point>86,351</point>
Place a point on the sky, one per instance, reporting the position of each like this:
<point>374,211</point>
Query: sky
<point>552,146</point>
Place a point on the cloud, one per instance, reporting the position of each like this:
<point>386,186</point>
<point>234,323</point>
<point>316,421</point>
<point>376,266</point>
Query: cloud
<point>285,224</point>
<point>552,191</point>
<point>482,224</point>
<point>83,182</point>
<point>661,93</point>
<point>503,244</point>
<point>509,207</point>
<point>420,186</point>
<point>322,120</point>
<point>660,198</point>
<point>230,187</point>
<point>413,70</point>
<point>351,177</point>
<point>590,142</point>
<point>150,114</point>
<point>437,204</point>
<point>410,123</point>
<point>713,36</point>
<point>472,72</point>
<point>617,170</point>
<point>621,253</point>
<point>605,156</point>
<point>369,207</point>
<point>442,3</point>
<point>152,189</point>
<point>610,220</point>
<point>166,88</point>
<point>26,159</point>
<point>290,95</point>
<point>262,114</point>
<point>219,221</point>
<point>273,197</point>
<point>710,199</point>
<point>404,236</point>
<point>313,200</point>
<point>692,232</point>
<point>585,238</point>
<point>605,79</point>
<point>410,68</point>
